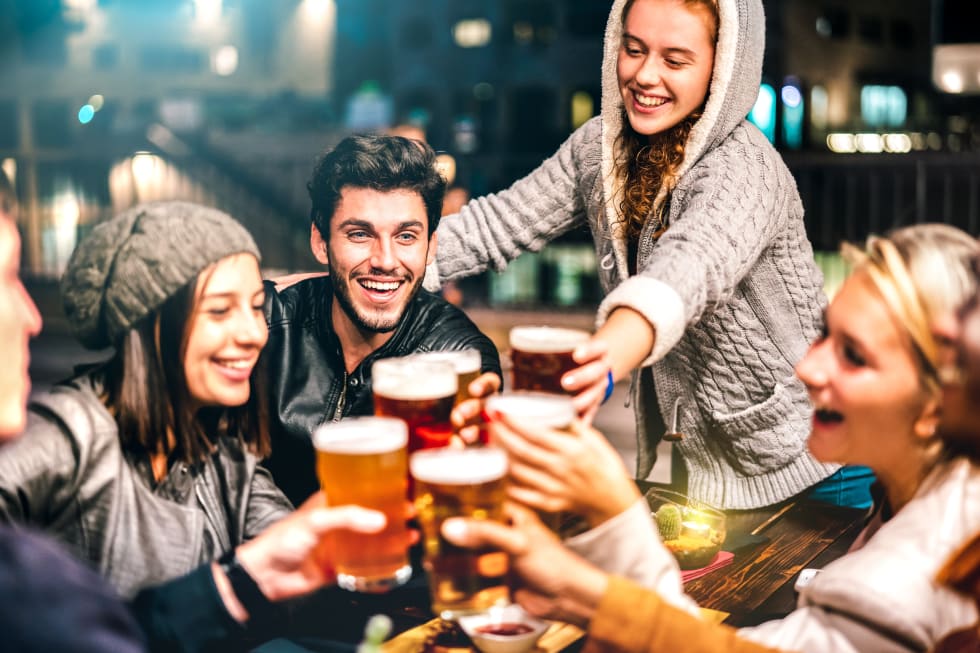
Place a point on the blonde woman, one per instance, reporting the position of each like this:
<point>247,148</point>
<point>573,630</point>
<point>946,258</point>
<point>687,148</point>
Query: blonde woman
<point>873,379</point>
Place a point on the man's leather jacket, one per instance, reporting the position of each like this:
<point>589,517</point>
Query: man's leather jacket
<point>308,382</point>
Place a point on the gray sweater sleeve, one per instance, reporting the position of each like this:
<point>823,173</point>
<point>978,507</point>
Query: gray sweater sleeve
<point>735,203</point>
<point>492,230</point>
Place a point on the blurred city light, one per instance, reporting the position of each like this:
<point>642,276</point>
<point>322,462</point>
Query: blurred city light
<point>9,167</point>
<point>841,143</point>
<point>791,95</point>
<point>952,81</point>
<point>96,101</point>
<point>819,107</point>
<point>145,166</point>
<point>583,108</point>
<point>869,143</point>
<point>85,114</point>
<point>316,10</point>
<point>80,6</point>
<point>897,143</point>
<point>472,33</point>
<point>207,12</point>
<point>224,60</point>
<point>763,114</point>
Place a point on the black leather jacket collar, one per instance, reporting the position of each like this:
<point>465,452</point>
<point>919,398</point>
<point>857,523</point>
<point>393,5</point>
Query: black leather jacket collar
<point>308,381</point>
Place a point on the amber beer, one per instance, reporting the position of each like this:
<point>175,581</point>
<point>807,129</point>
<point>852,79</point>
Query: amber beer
<point>467,364</point>
<point>461,483</point>
<point>536,409</point>
<point>422,393</point>
<point>541,355</point>
<point>363,461</point>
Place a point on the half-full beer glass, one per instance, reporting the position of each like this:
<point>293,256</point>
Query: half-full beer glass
<point>466,362</point>
<point>461,483</point>
<point>541,355</point>
<point>420,392</point>
<point>535,409</point>
<point>363,461</point>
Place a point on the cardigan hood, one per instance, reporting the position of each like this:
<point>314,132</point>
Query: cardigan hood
<point>733,91</point>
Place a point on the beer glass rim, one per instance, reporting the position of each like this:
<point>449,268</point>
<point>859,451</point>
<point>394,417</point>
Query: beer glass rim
<point>448,466</point>
<point>541,408</point>
<point>463,361</point>
<point>409,378</point>
<point>361,435</point>
<point>546,339</point>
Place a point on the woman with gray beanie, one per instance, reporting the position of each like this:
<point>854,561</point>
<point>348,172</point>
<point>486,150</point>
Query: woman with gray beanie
<point>146,465</point>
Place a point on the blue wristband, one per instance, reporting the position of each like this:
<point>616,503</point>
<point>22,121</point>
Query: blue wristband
<point>609,386</point>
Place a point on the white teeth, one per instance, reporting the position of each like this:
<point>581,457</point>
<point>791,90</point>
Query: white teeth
<point>649,101</point>
<point>237,365</point>
<point>381,285</point>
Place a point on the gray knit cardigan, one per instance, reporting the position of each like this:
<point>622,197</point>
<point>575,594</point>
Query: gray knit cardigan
<point>731,288</point>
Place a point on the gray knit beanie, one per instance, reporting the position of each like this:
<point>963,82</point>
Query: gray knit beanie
<point>127,267</point>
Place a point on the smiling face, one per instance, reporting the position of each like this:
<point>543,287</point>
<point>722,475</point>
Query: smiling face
<point>870,406</point>
<point>377,252</point>
<point>226,333</point>
<point>665,62</point>
<point>19,321</point>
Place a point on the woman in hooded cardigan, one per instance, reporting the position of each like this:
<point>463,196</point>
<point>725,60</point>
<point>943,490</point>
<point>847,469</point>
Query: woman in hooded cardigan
<point>711,290</point>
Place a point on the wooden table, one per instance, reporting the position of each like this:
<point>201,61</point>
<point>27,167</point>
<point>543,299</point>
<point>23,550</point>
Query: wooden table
<point>782,540</point>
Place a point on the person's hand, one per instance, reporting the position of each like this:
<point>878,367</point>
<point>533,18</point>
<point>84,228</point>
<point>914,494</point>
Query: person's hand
<point>282,558</point>
<point>553,470</point>
<point>467,416</point>
<point>590,381</point>
<point>554,583</point>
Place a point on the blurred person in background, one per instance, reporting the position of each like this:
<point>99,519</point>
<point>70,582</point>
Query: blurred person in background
<point>376,203</point>
<point>874,379</point>
<point>712,293</point>
<point>53,603</point>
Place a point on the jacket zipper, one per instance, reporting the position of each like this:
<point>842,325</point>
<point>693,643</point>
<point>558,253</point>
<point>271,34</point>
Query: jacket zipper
<point>339,412</point>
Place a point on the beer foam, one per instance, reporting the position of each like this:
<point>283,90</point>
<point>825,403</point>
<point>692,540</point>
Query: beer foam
<point>463,361</point>
<point>362,435</point>
<point>546,340</point>
<point>413,380</point>
<point>458,466</point>
<point>539,408</point>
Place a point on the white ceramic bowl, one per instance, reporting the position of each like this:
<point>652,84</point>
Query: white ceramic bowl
<point>503,616</point>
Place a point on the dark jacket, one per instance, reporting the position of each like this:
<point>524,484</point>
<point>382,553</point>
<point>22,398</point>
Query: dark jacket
<point>307,376</point>
<point>70,476</point>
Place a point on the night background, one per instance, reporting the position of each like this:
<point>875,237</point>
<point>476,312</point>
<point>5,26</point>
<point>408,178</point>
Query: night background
<point>104,103</point>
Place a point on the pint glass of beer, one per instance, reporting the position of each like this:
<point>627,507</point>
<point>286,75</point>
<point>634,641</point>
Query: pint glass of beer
<point>363,461</point>
<point>541,355</point>
<point>461,483</point>
<point>420,392</point>
<point>467,363</point>
<point>537,409</point>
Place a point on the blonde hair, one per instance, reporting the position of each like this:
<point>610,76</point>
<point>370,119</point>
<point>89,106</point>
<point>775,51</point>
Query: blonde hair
<point>922,272</point>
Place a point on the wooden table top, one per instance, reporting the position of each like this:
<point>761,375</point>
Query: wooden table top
<point>777,542</point>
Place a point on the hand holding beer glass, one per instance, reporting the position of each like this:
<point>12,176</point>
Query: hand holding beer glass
<point>537,409</point>
<point>461,483</point>
<point>557,463</point>
<point>541,355</point>
<point>420,392</point>
<point>363,461</point>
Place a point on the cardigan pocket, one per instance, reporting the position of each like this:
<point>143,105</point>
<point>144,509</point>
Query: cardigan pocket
<point>766,436</point>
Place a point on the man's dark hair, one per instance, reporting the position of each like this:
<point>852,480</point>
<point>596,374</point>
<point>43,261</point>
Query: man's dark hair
<point>379,162</point>
<point>146,391</point>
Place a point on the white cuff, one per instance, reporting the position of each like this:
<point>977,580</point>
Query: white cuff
<point>657,302</point>
<point>431,280</point>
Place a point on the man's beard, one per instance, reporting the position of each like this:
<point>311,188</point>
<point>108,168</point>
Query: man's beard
<point>368,323</point>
